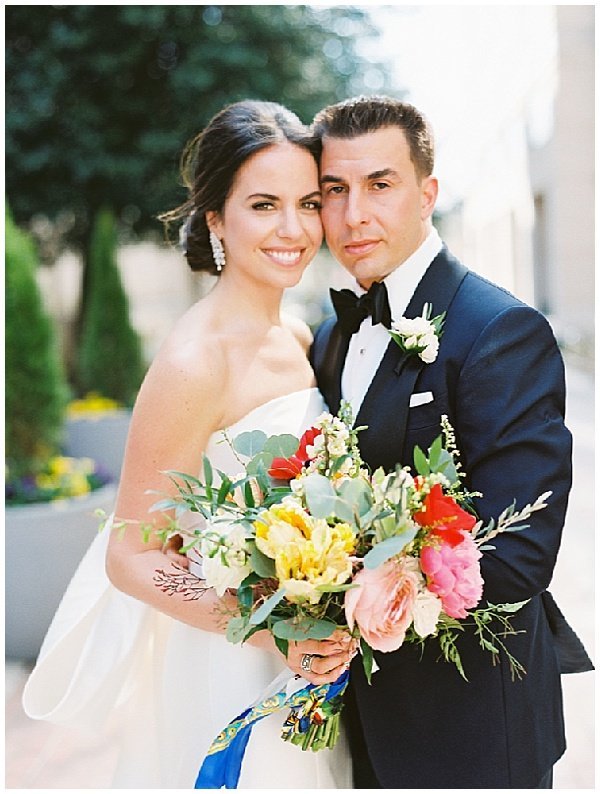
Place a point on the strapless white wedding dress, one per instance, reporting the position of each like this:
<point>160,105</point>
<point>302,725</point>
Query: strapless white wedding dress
<point>110,662</point>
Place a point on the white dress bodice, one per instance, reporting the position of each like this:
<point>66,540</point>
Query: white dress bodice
<point>172,688</point>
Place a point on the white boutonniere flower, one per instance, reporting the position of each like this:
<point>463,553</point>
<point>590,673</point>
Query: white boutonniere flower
<point>420,335</point>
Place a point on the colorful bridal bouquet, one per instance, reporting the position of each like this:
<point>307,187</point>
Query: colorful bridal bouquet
<point>311,542</point>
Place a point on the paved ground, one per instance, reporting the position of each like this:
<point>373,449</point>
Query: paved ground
<point>48,757</point>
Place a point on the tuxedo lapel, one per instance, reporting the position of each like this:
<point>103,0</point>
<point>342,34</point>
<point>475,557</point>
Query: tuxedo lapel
<point>329,363</point>
<point>386,404</point>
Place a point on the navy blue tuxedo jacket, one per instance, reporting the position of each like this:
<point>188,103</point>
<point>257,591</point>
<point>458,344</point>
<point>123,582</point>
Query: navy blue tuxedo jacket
<point>499,378</point>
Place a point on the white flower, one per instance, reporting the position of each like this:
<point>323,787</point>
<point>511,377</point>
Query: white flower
<point>225,558</point>
<point>426,611</point>
<point>432,345</point>
<point>419,334</point>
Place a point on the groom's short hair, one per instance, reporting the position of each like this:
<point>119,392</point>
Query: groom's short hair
<point>364,114</point>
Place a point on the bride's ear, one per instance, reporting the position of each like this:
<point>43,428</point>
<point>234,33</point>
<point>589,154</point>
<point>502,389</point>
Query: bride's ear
<point>214,222</point>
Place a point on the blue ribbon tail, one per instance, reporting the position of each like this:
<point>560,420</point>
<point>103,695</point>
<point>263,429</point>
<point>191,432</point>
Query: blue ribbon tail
<point>224,768</point>
<point>223,764</point>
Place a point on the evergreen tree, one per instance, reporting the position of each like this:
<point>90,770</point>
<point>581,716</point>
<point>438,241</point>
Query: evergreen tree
<point>101,99</point>
<point>36,389</point>
<point>110,354</point>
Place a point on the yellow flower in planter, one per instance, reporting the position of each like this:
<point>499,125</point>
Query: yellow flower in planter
<point>92,404</point>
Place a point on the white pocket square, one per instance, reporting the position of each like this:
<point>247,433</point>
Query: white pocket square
<point>420,398</point>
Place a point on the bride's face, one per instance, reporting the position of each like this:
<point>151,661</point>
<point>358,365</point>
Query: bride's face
<point>270,225</point>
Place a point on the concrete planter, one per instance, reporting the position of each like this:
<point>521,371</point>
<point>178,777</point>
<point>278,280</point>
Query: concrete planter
<point>44,545</point>
<point>101,437</point>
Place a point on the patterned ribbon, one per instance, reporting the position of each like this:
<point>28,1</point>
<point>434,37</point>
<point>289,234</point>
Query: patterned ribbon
<point>223,763</point>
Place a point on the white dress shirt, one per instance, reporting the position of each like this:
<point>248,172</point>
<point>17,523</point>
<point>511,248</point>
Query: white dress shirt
<point>369,343</point>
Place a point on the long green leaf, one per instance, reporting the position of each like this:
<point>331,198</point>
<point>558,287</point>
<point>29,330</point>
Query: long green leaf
<point>265,609</point>
<point>388,548</point>
<point>367,659</point>
<point>421,464</point>
<point>259,562</point>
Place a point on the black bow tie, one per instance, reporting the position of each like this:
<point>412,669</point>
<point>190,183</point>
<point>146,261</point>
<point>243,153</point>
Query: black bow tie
<point>351,310</point>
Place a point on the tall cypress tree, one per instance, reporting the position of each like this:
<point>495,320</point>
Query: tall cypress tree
<point>36,387</point>
<point>110,353</point>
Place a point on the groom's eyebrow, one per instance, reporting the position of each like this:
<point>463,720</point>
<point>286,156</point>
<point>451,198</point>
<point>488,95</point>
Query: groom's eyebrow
<point>327,178</point>
<point>379,174</point>
<point>271,197</point>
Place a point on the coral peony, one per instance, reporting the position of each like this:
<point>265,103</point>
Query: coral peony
<point>453,574</point>
<point>383,603</point>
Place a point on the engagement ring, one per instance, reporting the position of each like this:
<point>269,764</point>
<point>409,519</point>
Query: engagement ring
<point>306,662</point>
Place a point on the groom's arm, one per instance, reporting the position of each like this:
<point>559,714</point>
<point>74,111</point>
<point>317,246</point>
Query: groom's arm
<point>514,446</point>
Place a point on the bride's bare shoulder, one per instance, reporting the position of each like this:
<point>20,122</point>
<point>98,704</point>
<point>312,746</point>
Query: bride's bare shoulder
<point>190,364</point>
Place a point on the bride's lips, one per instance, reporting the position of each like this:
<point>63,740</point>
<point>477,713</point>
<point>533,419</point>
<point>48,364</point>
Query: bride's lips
<point>360,247</point>
<point>288,257</point>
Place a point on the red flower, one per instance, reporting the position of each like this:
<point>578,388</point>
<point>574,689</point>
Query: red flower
<point>288,468</point>
<point>308,439</point>
<point>443,517</point>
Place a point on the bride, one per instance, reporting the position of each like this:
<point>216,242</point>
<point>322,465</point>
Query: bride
<point>134,645</point>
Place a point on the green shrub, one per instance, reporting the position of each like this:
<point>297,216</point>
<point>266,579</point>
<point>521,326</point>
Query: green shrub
<point>36,388</point>
<point>110,358</point>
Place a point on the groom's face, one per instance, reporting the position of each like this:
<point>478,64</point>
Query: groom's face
<point>376,208</point>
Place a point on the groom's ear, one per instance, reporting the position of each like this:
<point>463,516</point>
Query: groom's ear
<point>429,194</point>
<point>214,222</point>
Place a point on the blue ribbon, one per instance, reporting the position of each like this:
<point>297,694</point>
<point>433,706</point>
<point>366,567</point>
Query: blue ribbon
<point>223,763</point>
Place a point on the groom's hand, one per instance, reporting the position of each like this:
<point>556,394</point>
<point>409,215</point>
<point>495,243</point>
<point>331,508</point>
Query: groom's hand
<point>327,658</point>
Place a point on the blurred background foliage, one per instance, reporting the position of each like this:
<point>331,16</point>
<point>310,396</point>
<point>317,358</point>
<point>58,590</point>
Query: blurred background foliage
<point>101,99</point>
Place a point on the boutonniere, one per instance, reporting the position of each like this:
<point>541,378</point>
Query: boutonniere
<point>420,335</point>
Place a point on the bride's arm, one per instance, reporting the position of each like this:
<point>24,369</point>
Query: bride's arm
<point>175,414</point>
<point>177,410</point>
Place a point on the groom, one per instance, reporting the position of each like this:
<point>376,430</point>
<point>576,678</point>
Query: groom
<point>499,378</point>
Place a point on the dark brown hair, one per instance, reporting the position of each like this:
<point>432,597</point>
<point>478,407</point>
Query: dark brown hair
<point>363,114</point>
<point>211,160</point>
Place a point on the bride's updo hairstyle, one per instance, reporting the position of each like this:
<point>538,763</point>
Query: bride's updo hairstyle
<point>211,160</point>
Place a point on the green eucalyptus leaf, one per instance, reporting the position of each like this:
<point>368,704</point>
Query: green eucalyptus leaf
<point>358,493</point>
<point>344,511</point>
<point>388,548</point>
<point>237,629</point>
<point>320,495</point>
<point>259,463</point>
<point>446,466</point>
<point>304,629</point>
<point>265,609</point>
<point>282,446</point>
<point>250,443</point>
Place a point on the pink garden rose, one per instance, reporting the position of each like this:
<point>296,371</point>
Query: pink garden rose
<point>383,604</point>
<point>453,574</point>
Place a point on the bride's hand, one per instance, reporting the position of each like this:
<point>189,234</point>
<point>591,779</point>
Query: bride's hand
<point>327,659</point>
